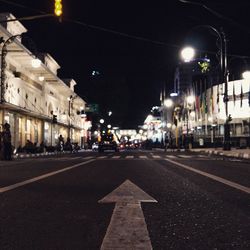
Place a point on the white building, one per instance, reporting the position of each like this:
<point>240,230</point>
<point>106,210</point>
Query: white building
<point>205,116</point>
<point>32,93</point>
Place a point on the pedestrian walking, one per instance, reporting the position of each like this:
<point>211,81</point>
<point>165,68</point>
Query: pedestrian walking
<point>60,143</point>
<point>6,147</point>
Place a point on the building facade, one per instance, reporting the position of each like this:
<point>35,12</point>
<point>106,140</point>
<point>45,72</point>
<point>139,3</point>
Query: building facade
<point>38,105</point>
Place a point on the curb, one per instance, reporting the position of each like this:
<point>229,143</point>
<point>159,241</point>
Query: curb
<point>22,156</point>
<point>169,150</point>
<point>234,155</point>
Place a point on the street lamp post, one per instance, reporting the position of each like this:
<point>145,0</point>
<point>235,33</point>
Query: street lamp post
<point>69,124</point>
<point>70,100</point>
<point>167,103</point>
<point>224,78</point>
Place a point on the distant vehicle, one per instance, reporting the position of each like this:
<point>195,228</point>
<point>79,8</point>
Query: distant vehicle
<point>95,146</point>
<point>107,143</point>
<point>130,145</point>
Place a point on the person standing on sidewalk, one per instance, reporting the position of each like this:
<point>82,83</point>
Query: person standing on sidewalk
<point>6,148</point>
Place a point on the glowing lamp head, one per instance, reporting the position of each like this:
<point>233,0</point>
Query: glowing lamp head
<point>169,125</point>
<point>187,54</point>
<point>168,103</point>
<point>41,78</point>
<point>36,63</point>
<point>246,75</point>
<point>190,99</point>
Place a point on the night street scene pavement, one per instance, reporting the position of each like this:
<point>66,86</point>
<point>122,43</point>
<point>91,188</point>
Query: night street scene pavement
<point>197,201</point>
<point>124,125</point>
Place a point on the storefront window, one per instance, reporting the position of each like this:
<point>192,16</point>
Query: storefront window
<point>28,130</point>
<point>19,131</point>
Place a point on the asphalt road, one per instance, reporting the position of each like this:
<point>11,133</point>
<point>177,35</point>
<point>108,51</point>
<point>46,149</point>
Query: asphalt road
<point>203,201</point>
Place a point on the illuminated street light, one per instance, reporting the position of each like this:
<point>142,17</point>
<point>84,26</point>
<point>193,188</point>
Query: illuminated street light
<point>173,94</point>
<point>168,103</point>
<point>187,54</point>
<point>222,44</point>
<point>190,99</point>
<point>41,78</point>
<point>36,63</point>
<point>101,121</point>
<point>109,126</point>
<point>169,125</point>
<point>246,75</point>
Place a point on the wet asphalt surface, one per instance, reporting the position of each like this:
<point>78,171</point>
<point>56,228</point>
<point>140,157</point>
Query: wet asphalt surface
<point>62,211</point>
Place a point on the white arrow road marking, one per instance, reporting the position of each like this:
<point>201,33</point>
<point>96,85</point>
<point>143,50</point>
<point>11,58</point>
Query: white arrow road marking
<point>127,228</point>
<point>214,177</point>
<point>38,178</point>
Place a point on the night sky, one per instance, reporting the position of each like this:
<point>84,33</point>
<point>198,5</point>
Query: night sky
<point>133,67</point>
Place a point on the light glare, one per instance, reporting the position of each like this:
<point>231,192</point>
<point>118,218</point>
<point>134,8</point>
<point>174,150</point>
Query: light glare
<point>187,54</point>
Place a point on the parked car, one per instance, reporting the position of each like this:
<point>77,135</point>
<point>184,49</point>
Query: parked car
<point>95,146</point>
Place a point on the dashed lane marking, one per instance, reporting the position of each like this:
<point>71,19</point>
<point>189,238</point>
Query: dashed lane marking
<point>129,157</point>
<point>213,177</point>
<point>87,157</point>
<point>38,178</point>
<point>102,157</point>
<point>171,156</point>
<point>156,156</point>
<point>184,156</point>
<point>116,157</point>
<point>143,157</point>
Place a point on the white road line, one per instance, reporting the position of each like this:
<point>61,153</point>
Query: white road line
<point>102,157</point>
<point>38,178</point>
<point>156,156</point>
<point>116,157</point>
<point>171,156</point>
<point>129,157</point>
<point>185,156</point>
<point>143,157</point>
<point>87,157</point>
<point>214,177</point>
<point>201,156</point>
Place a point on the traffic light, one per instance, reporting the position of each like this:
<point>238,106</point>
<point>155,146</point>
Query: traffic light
<point>54,119</point>
<point>58,8</point>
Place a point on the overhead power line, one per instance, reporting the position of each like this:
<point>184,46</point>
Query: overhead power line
<point>217,14</point>
<point>118,33</point>
<point>21,6</point>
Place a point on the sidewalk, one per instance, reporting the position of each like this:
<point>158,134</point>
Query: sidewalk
<point>29,155</point>
<point>236,153</point>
